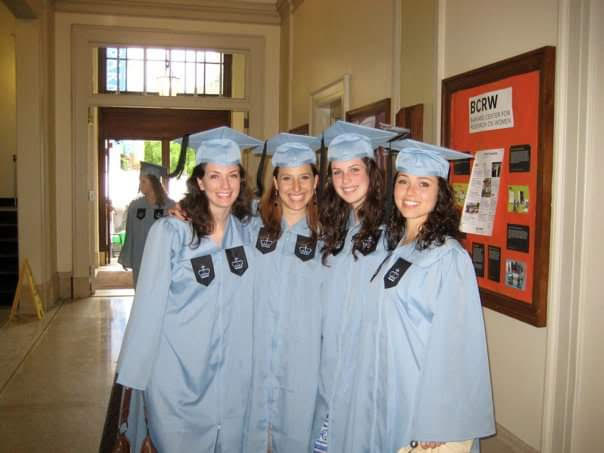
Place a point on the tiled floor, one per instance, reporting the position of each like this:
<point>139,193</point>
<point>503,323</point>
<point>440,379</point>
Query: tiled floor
<point>56,375</point>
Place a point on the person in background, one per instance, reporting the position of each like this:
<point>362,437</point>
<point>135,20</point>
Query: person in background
<point>287,338</point>
<point>352,215</point>
<point>142,214</point>
<point>187,349</point>
<point>418,374</point>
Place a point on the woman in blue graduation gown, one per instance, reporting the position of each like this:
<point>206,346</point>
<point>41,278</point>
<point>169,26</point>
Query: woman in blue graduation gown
<point>188,345</point>
<point>351,218</point>
<point>142,214</point>
<point>287,326</point>
<point>419,372</point>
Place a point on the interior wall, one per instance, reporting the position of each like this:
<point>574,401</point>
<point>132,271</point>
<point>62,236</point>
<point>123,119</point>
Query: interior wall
<point>64,83</point>
<point>35,154</point>
<point>8,103</point>
<point>418,60</point>
<point>478,33</point>
<point>284,72</point>
<point>589,402</point>
<point>331,39</point>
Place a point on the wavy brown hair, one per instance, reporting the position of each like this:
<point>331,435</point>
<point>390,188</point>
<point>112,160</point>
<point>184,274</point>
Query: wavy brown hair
<point>160,194</point>
<point>197,207</point>
<point>334,213</point>
<point>271,212</point>
<point>443,221</point>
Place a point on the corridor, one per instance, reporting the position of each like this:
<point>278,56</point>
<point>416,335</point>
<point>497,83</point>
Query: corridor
<point>56,375</point>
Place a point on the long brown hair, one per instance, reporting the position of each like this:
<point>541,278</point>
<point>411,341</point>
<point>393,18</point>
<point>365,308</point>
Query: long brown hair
<point>159,192</point>
<point>442,221</point>
<point>271,212</point>
<point>197,207</point>
<point>335,212</point>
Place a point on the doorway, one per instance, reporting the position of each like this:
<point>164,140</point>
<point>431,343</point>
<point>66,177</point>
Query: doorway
<point>126,137</point>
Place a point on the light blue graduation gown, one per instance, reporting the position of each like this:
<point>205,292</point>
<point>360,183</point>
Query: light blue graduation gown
<point>139,218</point>
<point>416,362</point>
<point>344,277</point>
<point>188,346</point>
<point>287,339</point>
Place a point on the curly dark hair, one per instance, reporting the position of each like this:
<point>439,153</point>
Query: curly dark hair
<point>197,207</point>
<point>443,221</point>
<point>270,210</point>
<point>334,213</point>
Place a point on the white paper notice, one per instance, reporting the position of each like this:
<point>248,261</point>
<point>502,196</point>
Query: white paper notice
<point>481,199</point>
<point>492,110</point>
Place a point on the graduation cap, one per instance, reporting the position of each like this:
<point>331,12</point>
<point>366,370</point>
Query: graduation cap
<point>221,145</point>
<point>149,169</point>
<point>347,141</point>
<point>423,159</point>
<point>292,150</point>
<point>287,150</point>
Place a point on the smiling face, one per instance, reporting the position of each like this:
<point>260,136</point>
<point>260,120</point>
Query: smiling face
<point>221,184</point>
<point>415,197</point>
<point>350,180</point>
<point>296,187</point>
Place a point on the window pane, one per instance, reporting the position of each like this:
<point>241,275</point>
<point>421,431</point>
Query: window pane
<point>135,75</point>
<point>212,79</point>
<point>122,52</point>
<point>122,75</point>
<point>177,55</point>
<point>112,52</point>
<point>137,53</point>
<point>191,55</point>
<point>178,71</point>
<point>111,75</point>
<point>213,57</point>
<point>201,55</point>
<point>200,87</point>
<point>155,69</point>
<point>190,78</point>
<point>156,54</point>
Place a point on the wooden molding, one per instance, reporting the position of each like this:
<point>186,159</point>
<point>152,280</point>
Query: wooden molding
<point>207,10</point>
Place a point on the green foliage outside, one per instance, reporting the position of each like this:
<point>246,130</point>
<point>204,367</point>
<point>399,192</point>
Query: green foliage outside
<point>153,155</point>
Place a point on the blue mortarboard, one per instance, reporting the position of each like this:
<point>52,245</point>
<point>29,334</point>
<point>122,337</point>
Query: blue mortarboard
<point>292,150</point>
<point>423,159</point>
<point>347,141</point>
<point>221,145</point>
<point>149,169</point>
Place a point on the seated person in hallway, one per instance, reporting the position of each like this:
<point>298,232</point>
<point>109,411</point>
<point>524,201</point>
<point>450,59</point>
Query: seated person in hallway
<point>419,375</point>
<point>142,214</point>
<point>187,350</point>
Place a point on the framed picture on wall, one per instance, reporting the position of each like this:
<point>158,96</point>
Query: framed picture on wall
<point>506,110</point>
<point>301,130</point>
<point>372,115</point>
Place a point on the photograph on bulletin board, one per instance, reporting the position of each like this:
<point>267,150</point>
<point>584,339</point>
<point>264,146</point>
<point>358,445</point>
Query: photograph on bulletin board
<point>502,114</point>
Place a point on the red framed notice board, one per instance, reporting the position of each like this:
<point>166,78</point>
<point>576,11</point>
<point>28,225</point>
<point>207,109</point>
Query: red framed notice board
<point>503,115</point>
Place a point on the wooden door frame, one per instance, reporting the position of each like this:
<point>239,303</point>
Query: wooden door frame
<point>122,123</point>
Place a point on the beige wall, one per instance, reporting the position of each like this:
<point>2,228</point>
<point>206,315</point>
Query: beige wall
<point>478,33</point>
<point>589,402</point>
<point>333,38</point>
<point>35,153</point>
<point>284,73</point>
<point>8,102</point>
<point>418,60</point>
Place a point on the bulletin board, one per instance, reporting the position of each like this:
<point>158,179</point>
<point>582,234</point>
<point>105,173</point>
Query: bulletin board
<point>503,115</point>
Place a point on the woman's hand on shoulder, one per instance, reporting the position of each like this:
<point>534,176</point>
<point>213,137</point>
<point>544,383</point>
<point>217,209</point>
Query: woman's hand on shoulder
<point>178,212</point>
